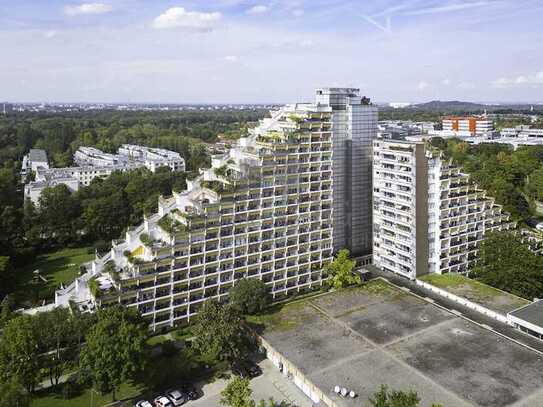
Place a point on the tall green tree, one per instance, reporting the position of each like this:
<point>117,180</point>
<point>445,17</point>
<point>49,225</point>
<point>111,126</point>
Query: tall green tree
<point>341,270</point>
<point>115,348</point>
<point>249,296</point>
<point>221,333</point>
<point>237,393</point>
<point>19,353</point>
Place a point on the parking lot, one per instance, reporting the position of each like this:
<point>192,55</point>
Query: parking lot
<point>378,334</point>
<point>271,383</point>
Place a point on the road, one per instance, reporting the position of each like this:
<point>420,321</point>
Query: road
<point>483,320</point>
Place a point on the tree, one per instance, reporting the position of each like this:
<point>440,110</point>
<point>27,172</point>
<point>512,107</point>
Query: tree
<point>237,393</point>
<point>6,276</point>
<point>115,348</point>
<point>220,333</point>
<point>506,262</point>
<point>19,353</point>
<point>249,296</point>
<point>57,339</point>
<point>272,403</point>
<point>386,397</point>
<point>6,310</point>
<point>12,394</point>
<point>341,271</point>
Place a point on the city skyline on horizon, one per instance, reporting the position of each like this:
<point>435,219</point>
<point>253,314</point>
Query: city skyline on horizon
<point>235,51</point>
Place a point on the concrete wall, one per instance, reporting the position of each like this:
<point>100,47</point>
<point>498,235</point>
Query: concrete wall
<point>292,372</point>
<point>469,304</point>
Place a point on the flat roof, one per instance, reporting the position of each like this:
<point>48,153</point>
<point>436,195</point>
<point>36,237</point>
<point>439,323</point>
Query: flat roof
<point>532,313</point>
<point>475,291</point>
<point>37,155</point>
<point>378,334</point>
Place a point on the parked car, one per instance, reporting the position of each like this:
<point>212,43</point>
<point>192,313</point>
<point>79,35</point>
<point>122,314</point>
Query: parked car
<point>246,369</point>
<point>178,398</point>
<point>163,401</point>
<point>190,391</point>
<point>143,403</point>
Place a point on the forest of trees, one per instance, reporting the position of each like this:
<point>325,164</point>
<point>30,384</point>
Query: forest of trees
<point>513,177</point>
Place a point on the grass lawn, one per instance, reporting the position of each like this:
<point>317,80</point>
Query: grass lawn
<point>49,399</point>
<point>476,291</point>
<point>57,267</point>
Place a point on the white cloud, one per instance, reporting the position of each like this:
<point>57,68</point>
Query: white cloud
<point>258,9</point>
<point>446,82</point>
<point>87,8</point>
<point>422,85</point>
<point>298,12</point>
<point>50,34</point>
<point>231,58</point>
<point>448,8</point>
<point>522,80</point>
<point>178,17</point>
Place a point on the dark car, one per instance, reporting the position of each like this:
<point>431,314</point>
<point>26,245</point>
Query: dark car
<point>246,369</point>
<point>190,391</point>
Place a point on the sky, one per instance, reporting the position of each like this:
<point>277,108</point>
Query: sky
<point>242,51</point>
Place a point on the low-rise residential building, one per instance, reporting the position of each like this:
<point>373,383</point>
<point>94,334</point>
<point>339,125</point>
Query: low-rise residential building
<point>153,158</point>
<point>35,159</point>
<point>529,319</point>
<point>94,163</point>
<point>429,217</point>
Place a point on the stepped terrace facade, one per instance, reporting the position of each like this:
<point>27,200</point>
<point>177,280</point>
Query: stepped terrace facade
<point>428,216</point>
<point>263,210</point>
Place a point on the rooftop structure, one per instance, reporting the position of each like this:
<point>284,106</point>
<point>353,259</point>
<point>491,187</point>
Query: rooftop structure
<point>429,217</point>
<point>360,338</point>
<point>529,319</point>
<point>263,210</point>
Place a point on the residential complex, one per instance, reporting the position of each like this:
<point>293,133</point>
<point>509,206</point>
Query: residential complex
<point>474,126</point>
<point>265,209</point>
<point>94,163</point>
<point>428,216</point>
<point>35,159</point>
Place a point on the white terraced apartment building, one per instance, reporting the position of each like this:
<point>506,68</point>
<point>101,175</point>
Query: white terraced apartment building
<point>263,210</point>
<point>428,216</point>
<point>93,163</point>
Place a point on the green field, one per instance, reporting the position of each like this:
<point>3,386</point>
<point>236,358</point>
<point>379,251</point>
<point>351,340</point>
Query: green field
<point>58,267</point>
<point>476,291</point>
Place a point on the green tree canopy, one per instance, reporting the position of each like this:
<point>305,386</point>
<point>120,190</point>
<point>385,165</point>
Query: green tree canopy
<point>220,333</point>
<point>341,270</point>
<point>20,353</point>
<point>237,393</point>
<point>506,262</point>
<point>249,296</point>
<point>386,397</point>
<point>115,348</point>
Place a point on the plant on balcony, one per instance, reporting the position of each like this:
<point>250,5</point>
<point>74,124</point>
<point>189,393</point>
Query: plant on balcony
<point>94,288</point>
<point>221,171</point>
<point>146,239</point>
<point>295,118</point>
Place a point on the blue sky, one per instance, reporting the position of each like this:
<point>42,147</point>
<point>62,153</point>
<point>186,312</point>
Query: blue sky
<point>217,51</point>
